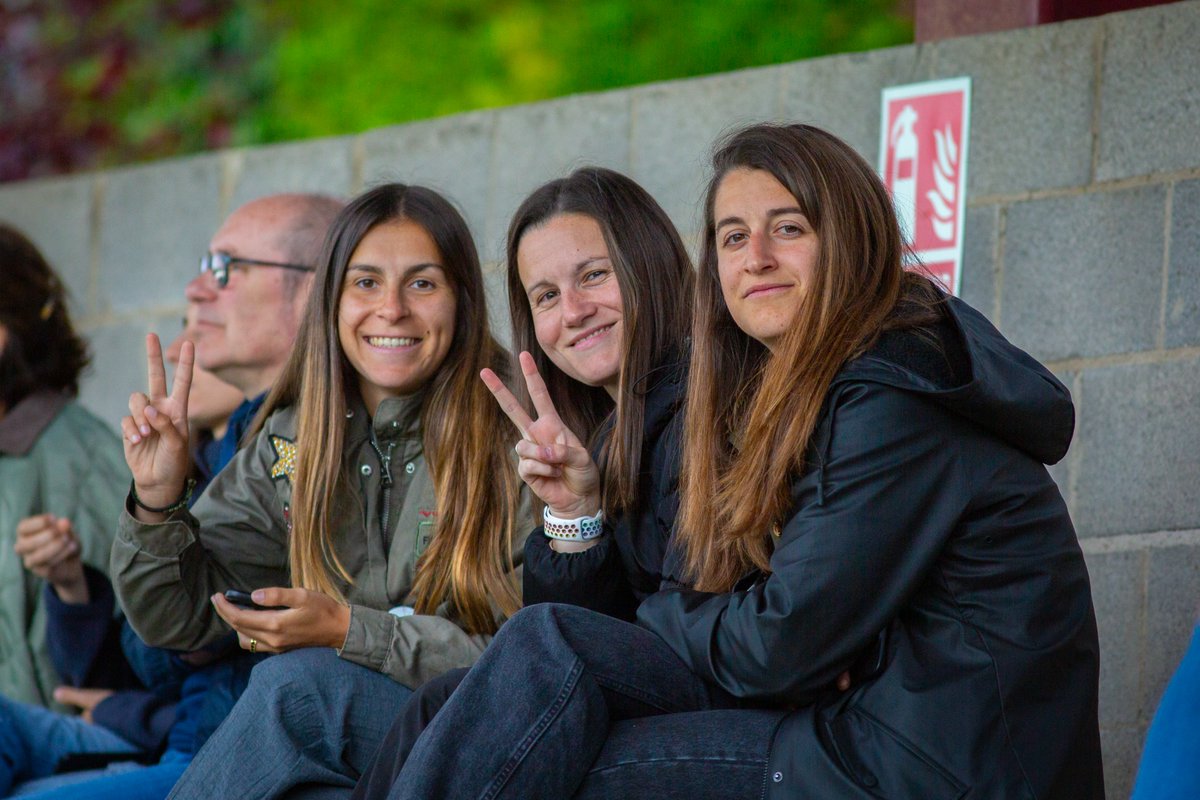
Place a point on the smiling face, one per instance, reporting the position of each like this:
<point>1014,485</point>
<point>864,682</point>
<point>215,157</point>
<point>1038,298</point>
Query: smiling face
<point>767,252</point>
<point>396,315</point>
<point>574,298</point>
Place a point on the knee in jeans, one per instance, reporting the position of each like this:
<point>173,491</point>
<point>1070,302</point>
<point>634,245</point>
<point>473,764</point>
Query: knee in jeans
<point>303,668</point>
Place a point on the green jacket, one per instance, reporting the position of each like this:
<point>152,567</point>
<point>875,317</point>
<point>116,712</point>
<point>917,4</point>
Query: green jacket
<point>58,458</point>
<point>236,537</point>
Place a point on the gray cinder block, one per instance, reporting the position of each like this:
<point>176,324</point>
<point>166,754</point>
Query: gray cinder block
<point>319,165</point>
<point>1150,92</point>
<point>842,93</point>
<point>1172,604</point>
<point>155,223</point>
<point>675,125</point>
<point>118,367</point>
<point>1139,433</point>
<point>1031,105</point>
<point>1083,274</point>
<point>56,215</point>
<point>1122,748</point>
<point>1182,318</point>
<point>980,229</point>
<point>1117,592</point>
<point>541,142</point>
<point>449,154</point>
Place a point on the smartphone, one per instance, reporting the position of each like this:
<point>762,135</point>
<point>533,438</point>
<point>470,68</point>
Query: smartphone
<point>242,600</point>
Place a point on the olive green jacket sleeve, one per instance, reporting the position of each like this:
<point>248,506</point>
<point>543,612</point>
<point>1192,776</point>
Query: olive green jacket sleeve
<point>165,574</point>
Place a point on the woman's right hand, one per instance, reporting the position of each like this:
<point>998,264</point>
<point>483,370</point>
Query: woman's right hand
<point>156,431</point>
<point>554,462</point>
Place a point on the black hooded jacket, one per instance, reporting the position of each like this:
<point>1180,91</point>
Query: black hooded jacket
<point>626,565</point>
<point>927,533</point>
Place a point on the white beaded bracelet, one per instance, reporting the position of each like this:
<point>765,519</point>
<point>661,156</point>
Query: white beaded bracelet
<point>580,529</point>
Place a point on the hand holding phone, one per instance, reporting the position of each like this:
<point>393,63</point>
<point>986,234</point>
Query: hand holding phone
<point>243,600</point>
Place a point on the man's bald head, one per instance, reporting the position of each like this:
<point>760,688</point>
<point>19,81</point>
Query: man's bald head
<point>245,330</point>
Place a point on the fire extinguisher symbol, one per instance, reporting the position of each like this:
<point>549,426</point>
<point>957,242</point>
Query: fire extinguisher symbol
<point>905,151</point>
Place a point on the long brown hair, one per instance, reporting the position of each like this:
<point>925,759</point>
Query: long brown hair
<point>656,279</point>
<point>470,561</point>
<point>769,403</point>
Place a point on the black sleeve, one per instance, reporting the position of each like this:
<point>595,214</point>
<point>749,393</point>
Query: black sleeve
<point>593,579</point>
<point>866,529</point>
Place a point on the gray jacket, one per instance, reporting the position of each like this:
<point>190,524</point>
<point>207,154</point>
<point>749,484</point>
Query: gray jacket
<point>236,537</point>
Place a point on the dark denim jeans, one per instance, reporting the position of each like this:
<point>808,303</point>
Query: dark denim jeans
<point>567,702</point>
<point>308,724</point>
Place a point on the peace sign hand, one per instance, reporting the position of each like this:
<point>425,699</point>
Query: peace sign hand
<point>554,462</point>
<point>156,431</point>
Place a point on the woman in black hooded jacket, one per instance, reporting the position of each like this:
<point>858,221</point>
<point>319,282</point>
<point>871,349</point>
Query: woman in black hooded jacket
<point>863,488</point>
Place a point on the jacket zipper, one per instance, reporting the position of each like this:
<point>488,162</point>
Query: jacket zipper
<point>386,462</point>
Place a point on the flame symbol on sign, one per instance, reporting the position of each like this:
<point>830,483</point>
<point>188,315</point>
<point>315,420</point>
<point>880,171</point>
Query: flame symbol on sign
<point>945,176</point>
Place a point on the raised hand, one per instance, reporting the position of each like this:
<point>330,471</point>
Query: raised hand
<point>156,431</point>
<point>310,619</point>
<point>554,462</point>
<point>49,549</point>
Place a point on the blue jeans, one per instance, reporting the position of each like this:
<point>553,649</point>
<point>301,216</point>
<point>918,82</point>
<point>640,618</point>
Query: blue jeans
<point>126,782</point>
<point>567,702</point>
<point>1170,765</point>
<point>34,739</point>
<point>307,725</point>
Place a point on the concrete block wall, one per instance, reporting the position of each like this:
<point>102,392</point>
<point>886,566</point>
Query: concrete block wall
<point>1082,244</point>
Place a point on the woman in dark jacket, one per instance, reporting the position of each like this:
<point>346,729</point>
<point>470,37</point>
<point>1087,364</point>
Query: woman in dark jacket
<point>591,258</point>
<point>863,488</point>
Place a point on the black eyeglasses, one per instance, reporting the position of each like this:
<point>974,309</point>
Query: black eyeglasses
<point>218,264</point>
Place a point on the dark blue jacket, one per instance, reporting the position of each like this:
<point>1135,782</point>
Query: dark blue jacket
<point>924,529</point>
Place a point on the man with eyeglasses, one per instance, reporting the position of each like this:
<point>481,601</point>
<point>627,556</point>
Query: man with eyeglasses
<point>246,306</point>
<point>250,295</point>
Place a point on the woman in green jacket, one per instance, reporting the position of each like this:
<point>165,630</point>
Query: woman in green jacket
<point>61,473</point>
<point>375,508</point>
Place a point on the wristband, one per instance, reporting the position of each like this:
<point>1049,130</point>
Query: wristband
<point>182,502</point>
<point>579,529</point>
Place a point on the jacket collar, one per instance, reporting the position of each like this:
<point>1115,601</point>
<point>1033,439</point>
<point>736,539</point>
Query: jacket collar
<point>395,417</point>
<point>25,421</point>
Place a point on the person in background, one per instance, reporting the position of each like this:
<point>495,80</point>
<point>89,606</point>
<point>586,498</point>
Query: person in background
<point>249,296</point>
<point>61,475</point>
<point>121,722</point>
<point>1170,764</point>
<point>243,311</point>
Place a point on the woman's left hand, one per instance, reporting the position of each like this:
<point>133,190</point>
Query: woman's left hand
<point>311,619</point>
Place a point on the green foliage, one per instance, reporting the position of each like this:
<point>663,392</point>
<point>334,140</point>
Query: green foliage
<point>338,70</point>
<point>96,82</point>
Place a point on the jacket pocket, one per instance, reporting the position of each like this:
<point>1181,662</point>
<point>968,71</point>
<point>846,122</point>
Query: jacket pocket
<point>885,763</point>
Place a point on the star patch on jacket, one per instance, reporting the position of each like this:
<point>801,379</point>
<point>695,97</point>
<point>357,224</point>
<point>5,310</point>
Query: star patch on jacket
<point>285,458</point>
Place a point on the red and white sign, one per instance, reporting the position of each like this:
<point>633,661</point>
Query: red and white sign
<point>923,161</point>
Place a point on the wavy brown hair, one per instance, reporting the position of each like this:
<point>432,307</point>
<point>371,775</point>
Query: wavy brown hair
<point>656,279</point>
<point>469,562</point>
<point>43,350</point>
<point>768,403</point>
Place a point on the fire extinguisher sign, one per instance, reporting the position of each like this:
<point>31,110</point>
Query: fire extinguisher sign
<point>923,159</point>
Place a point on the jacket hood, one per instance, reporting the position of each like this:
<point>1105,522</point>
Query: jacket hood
<point>979,375</point>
